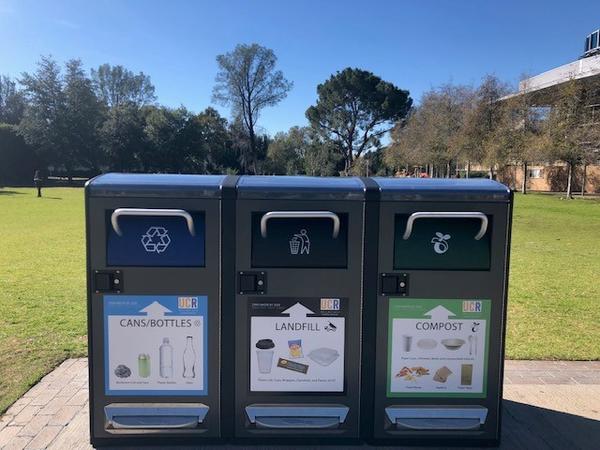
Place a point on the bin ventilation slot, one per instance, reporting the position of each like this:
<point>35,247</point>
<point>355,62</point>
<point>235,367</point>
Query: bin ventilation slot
<point>447,215</point>
<point>297,416</point>
<point>155,415</point>
<point>114,218</point>
<point>437,417</point>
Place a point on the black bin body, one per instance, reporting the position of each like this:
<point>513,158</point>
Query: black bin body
<point>299,245</point>
<point>154,270</point>
<point>440,310</point>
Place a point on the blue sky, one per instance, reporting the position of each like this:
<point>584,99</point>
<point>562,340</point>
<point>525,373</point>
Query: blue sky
<point>416,45</point>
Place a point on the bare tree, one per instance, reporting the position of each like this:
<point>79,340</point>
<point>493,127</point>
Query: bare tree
<point>570,135</point>
<point>479,140</point>
<point>516,135</point>
<point>432,133</point>
<point>248,82</point>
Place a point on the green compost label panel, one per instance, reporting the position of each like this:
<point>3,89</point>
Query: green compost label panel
<point>438,347</point>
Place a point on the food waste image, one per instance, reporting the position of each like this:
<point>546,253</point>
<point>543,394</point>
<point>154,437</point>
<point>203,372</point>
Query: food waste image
<point>412,373</point>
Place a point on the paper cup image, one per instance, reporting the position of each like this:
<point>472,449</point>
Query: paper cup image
<point>264,354</point>
<point>406,342</point>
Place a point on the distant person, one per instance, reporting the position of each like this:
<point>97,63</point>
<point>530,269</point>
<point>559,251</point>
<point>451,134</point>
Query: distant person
<point>424,175</point>
<point>37,180</point>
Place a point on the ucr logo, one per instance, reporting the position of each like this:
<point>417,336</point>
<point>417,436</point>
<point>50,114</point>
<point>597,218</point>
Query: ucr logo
<point>330,304</point>
<point>187,302</point>
<point>440,244</point>
<point>156,240</point>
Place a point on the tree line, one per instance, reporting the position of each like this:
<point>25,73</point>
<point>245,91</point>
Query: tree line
<point>68,121</point>
<point>456,127</point>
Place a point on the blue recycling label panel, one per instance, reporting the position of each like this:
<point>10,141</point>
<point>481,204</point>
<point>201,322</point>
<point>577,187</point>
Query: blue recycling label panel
<point>149,241</point>
<point>155,345</point>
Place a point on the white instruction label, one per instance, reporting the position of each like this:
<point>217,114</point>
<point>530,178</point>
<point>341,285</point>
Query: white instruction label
<point>155,345</point>
<point>297,345</point>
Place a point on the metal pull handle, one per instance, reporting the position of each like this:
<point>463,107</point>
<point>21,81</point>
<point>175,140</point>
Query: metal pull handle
<point>114,218</point>
<point>447,215</point>
<point>302,215</point>
<point>297,422</point>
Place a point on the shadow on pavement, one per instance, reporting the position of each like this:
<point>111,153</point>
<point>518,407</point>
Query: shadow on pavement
<point>527,427</point>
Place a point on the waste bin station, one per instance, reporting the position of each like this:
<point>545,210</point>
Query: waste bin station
<point>295,309</point>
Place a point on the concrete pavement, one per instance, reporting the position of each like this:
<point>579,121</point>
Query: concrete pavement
<point>548,405</point>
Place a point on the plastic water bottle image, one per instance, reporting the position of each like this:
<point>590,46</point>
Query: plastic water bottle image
<point>166,359</point>
<point>189,359</point>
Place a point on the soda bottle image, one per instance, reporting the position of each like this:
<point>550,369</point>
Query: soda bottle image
<point>166,359</point>
<point>189,359</point>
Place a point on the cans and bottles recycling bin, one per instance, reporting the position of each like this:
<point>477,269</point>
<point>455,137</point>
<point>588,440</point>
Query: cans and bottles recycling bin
<point>291,309</point>
<point>154,307</point>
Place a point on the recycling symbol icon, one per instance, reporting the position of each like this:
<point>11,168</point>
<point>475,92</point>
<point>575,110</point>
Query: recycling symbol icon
<point>156,239</point>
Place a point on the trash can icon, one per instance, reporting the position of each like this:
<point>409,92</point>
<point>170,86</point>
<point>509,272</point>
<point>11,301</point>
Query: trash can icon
<point>294,245</point>
<point>300,243</point>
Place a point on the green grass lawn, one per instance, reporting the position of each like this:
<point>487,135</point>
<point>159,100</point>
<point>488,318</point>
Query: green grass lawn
<point>554,292</point>
<point>42,285</point>
<point>554,295</point>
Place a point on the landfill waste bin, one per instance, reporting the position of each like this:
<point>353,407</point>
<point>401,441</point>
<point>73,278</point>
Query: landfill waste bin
<point>299,245</point>
<point>441,308</point>
<point>154,296</point>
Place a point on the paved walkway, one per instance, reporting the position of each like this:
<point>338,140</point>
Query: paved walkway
<point>548,405</point>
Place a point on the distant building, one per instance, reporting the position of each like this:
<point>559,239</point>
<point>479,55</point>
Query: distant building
<point>542,90</point>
